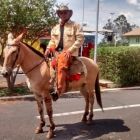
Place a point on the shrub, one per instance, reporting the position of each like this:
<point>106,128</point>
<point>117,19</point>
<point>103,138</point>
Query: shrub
<point>120,64</point>
<point>21,90</point>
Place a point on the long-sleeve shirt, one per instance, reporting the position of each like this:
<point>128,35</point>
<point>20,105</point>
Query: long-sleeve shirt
<point>73,37</point>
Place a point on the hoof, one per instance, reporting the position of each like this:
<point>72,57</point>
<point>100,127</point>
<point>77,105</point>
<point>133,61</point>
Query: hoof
<point>38,130</point>
<point>50,135</point>
<point>90,119</point>
<point>84,120</point>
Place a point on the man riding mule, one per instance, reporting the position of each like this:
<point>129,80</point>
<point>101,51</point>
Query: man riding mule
<point>83,73</point>
<point>36,68</point>
<point>66,37</point>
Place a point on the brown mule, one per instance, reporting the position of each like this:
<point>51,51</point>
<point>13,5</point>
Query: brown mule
<point>36,69</point>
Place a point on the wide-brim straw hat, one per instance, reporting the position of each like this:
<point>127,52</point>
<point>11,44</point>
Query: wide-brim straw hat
<point>64,8</point>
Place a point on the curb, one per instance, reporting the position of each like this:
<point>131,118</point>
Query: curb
<point>18,98</point>
<point>125,88</point>
<point>32,98</point>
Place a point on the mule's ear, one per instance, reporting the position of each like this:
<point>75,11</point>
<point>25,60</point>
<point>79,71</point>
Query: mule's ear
<point>13,41</point>
<point>19,38</point>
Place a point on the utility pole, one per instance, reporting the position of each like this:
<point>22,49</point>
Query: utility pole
<point>83,16</point>
<point>96,36</point>
<point>83,24</point>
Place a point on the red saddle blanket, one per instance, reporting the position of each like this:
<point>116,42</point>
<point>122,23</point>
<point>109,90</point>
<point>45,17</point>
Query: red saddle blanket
<point>62,61</point>
<point>74,77</point>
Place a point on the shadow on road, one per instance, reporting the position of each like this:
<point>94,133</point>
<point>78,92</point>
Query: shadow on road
<point>81,131</point>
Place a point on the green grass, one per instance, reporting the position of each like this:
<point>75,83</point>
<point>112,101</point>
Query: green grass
<point>17,91</point>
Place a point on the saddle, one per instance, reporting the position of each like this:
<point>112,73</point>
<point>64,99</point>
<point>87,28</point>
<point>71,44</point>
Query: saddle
<point>69,69</point>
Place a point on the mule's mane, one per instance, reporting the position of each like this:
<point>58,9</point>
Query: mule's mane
<point>34,50</point>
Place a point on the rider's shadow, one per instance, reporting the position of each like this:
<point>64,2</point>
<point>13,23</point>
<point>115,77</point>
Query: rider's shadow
<point>81,131</point>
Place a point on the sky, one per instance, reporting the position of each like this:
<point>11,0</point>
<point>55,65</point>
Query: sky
<point>108,9</point>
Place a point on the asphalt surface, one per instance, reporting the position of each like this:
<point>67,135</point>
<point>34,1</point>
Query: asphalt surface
<point>119,121</point>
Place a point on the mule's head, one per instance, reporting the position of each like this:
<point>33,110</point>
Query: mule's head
<point>11,56</point>
<point>10,60</point>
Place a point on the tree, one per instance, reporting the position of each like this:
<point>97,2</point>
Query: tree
<point>122,25</point>
<point>108,36</point>
<point>119,26</point>
<point>36,15</point>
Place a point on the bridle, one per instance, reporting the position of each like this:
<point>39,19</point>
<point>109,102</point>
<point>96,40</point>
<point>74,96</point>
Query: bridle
<point>17,54</point>
<point>37,52</point>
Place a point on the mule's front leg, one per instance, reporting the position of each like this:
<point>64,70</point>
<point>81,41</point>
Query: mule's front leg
<point>48,103</point>
<point>39,100</point>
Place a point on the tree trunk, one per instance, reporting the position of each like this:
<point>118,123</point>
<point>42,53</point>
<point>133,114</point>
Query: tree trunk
<point>11,79</point>
<point>2,43</point>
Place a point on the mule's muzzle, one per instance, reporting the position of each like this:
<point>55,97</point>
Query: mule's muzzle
<point>4,73</point>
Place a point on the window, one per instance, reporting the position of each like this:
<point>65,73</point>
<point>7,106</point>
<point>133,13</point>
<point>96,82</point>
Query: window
<point>137,39</point>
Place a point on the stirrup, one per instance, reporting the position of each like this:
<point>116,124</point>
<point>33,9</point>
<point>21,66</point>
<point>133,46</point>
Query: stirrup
<point>54,95</point>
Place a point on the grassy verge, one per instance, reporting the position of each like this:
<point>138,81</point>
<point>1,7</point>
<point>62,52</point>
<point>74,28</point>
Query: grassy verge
<point>17,91</point>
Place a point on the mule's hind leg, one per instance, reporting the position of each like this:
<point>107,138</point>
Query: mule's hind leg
<point>48,104</point>
<point>84,92</point>
<point>39,100</point>
<point>91,101</point>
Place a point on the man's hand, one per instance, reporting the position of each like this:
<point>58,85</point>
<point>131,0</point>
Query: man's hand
<point>49,52</point>
<point>68,54</point>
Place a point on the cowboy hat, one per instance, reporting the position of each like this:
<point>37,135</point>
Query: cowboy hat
<point>63,8</point>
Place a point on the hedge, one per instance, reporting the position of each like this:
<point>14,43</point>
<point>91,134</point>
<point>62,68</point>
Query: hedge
<point>120,64</point>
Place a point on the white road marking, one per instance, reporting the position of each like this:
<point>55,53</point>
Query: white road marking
<point>95,110</point>
<point>125,88</point>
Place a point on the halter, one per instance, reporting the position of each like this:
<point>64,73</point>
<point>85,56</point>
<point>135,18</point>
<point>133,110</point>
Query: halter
<point>35,51</point>
<point>14,62</point>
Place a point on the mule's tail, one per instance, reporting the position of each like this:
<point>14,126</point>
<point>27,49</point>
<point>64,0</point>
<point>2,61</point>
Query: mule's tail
<point>98,92</point>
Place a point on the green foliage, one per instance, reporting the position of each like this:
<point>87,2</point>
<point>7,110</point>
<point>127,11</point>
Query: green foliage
<point>36,15</point>
<point>120,64</point>
<point>22,90</point>
<point>119,26</point>
<point>104,44</point>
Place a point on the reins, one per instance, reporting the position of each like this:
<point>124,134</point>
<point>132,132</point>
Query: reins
<point>35,66</point>
<point>38,53</point>
<point>35,51</point>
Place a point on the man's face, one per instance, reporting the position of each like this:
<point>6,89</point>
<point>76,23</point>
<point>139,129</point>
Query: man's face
<point>64,15</point>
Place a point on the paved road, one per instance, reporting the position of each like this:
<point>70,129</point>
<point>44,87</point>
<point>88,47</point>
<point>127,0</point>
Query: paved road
<point>18,119</point>
<point>19,80</point>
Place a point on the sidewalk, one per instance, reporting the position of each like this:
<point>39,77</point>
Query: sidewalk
<point>20,80</point>
<point>105,86</point>
<point>107,83</point>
